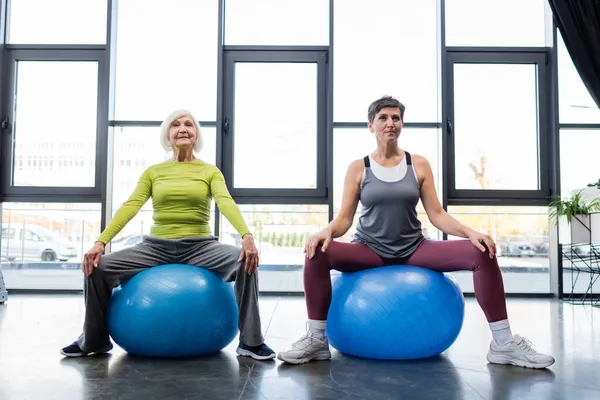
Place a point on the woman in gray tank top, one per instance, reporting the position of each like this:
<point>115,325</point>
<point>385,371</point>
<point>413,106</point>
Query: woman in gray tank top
<point>389,184</point>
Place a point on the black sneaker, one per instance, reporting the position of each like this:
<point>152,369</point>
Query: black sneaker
<point>262,352</point>
<point>73,350</point>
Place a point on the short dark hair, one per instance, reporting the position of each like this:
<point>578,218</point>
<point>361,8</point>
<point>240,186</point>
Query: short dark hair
<point>385,102</point>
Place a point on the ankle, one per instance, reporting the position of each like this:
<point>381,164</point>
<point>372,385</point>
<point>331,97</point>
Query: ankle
<point>317,328</point>
<point>501,332</point>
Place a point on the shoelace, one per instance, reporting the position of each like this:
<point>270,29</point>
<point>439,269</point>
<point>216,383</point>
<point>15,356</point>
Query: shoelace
<point>526,345</point>
<point>304,341</point>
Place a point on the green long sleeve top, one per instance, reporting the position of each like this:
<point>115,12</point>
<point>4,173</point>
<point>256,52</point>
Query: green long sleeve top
<point>181,196</point>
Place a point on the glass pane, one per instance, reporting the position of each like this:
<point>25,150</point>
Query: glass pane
<point>484,148</point>
<point>55,124</point>
<point>385,47</point>
<point>353,144</point>
<point>282,153</point>
<point>280,232</point>
<point>43,243</point>
<point>136,149</point>
<point>521,236</point>
<point>57,22</point>
<point>496,23</point>
<point>275,22</point>
<point>167,59</point>
<point>579,162</point>
<point>576,104</point>
<point>579,166</point>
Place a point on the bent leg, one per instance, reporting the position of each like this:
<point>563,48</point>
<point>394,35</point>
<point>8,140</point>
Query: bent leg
<point>345,257</point>
<point>222,259</point>
<point>462,255</point>
<point>112,270</point>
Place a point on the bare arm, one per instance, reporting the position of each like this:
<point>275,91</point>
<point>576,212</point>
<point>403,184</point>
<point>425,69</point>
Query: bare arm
<point>435,212</point>
<point>343,221</point>
<point>439,217</point>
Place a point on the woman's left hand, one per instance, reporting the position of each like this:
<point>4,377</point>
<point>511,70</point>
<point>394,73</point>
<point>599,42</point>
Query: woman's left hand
<point>250,253</point>
<point>477,238</point>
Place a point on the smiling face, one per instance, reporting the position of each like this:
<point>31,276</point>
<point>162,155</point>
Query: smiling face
<point>182,133</point>
<point>387,124</point>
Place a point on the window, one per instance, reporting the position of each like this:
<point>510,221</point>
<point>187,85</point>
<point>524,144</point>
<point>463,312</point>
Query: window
<point>275,128</point>
<point>274,22</point>
<point>275,146</point>
<point>166,59</point>
<point>481,93</point>
<point>579,166</point>
<point>57,22</point>
<point>385,47</point>
<point>495,23</point>
<point>496,149</point>
<point>56,103</point>
<point>46,243</point>
<point>579,162</point>
<point>522,240</point>
<point>280,232</point>
<point>354,144</point>
<point>576,104</point>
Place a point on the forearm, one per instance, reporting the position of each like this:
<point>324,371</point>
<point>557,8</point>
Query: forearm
<point>129,209</point>
<point>232,212</point>
<point>447,224</point>
<point>123,215</point>
<point>339,226</point>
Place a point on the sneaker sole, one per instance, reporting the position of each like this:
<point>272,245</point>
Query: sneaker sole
<point>247,353</point>
<point>519,363</point>
<point>321,356</point>
<point>105,349</point>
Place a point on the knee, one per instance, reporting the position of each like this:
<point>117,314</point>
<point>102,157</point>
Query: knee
<point>482,260</point>
<point>318,260</point>
<point>100,270</point>
<point>102,264</point>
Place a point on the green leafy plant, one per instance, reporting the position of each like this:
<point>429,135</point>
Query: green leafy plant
<point>572,206</point>
<point>595,184</point>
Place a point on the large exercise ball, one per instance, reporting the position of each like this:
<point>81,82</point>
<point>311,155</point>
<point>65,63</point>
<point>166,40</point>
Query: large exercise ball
<point>173,310</point>
<point>397,312</point>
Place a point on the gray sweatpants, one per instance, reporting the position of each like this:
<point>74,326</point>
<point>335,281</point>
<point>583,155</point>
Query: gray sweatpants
<point>116,268</point>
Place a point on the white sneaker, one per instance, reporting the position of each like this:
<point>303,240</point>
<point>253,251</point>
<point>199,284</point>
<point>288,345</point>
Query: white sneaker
<point>306,349</point>
<point>518,352</point>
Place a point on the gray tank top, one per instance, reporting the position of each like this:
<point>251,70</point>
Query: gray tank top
<point>388,223</point>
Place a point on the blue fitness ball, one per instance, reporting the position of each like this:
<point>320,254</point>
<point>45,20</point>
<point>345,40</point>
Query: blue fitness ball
<point>173,310</point>
<point>398,312</point>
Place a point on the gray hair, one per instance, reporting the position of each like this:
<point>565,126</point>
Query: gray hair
<point>164,130</point>
<point>384,102</point>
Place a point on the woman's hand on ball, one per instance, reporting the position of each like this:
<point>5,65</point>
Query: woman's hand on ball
<point>250,253</point>
<point>314,240</point>
<point>92,258</point>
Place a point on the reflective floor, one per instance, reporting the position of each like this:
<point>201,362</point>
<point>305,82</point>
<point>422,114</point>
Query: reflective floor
<point>34,327</point>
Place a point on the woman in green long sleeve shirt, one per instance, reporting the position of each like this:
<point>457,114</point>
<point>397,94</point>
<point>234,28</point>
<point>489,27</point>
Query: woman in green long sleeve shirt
<point>182,189</point>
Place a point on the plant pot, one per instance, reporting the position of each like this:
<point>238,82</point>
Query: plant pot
<point>595,227</point>
<point>585,228</point>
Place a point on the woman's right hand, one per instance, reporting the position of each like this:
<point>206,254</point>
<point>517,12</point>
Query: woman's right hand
<point>92,258</point>
<point>314,240</point>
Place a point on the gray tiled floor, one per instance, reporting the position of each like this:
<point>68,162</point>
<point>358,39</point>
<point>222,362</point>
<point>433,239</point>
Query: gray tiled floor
<point>34,327</point>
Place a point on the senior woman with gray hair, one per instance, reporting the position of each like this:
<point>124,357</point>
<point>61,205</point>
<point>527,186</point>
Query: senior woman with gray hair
<point>181,189</point>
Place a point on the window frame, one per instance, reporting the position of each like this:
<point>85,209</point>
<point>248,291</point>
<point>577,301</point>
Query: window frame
<point>226,125</point>
<point>9,192</point>
<point>535,56</point>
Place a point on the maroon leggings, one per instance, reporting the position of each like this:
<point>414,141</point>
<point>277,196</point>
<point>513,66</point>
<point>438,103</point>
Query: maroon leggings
<point>442,256</point>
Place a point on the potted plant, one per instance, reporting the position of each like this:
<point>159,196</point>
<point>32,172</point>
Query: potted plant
<point>582,215</point>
